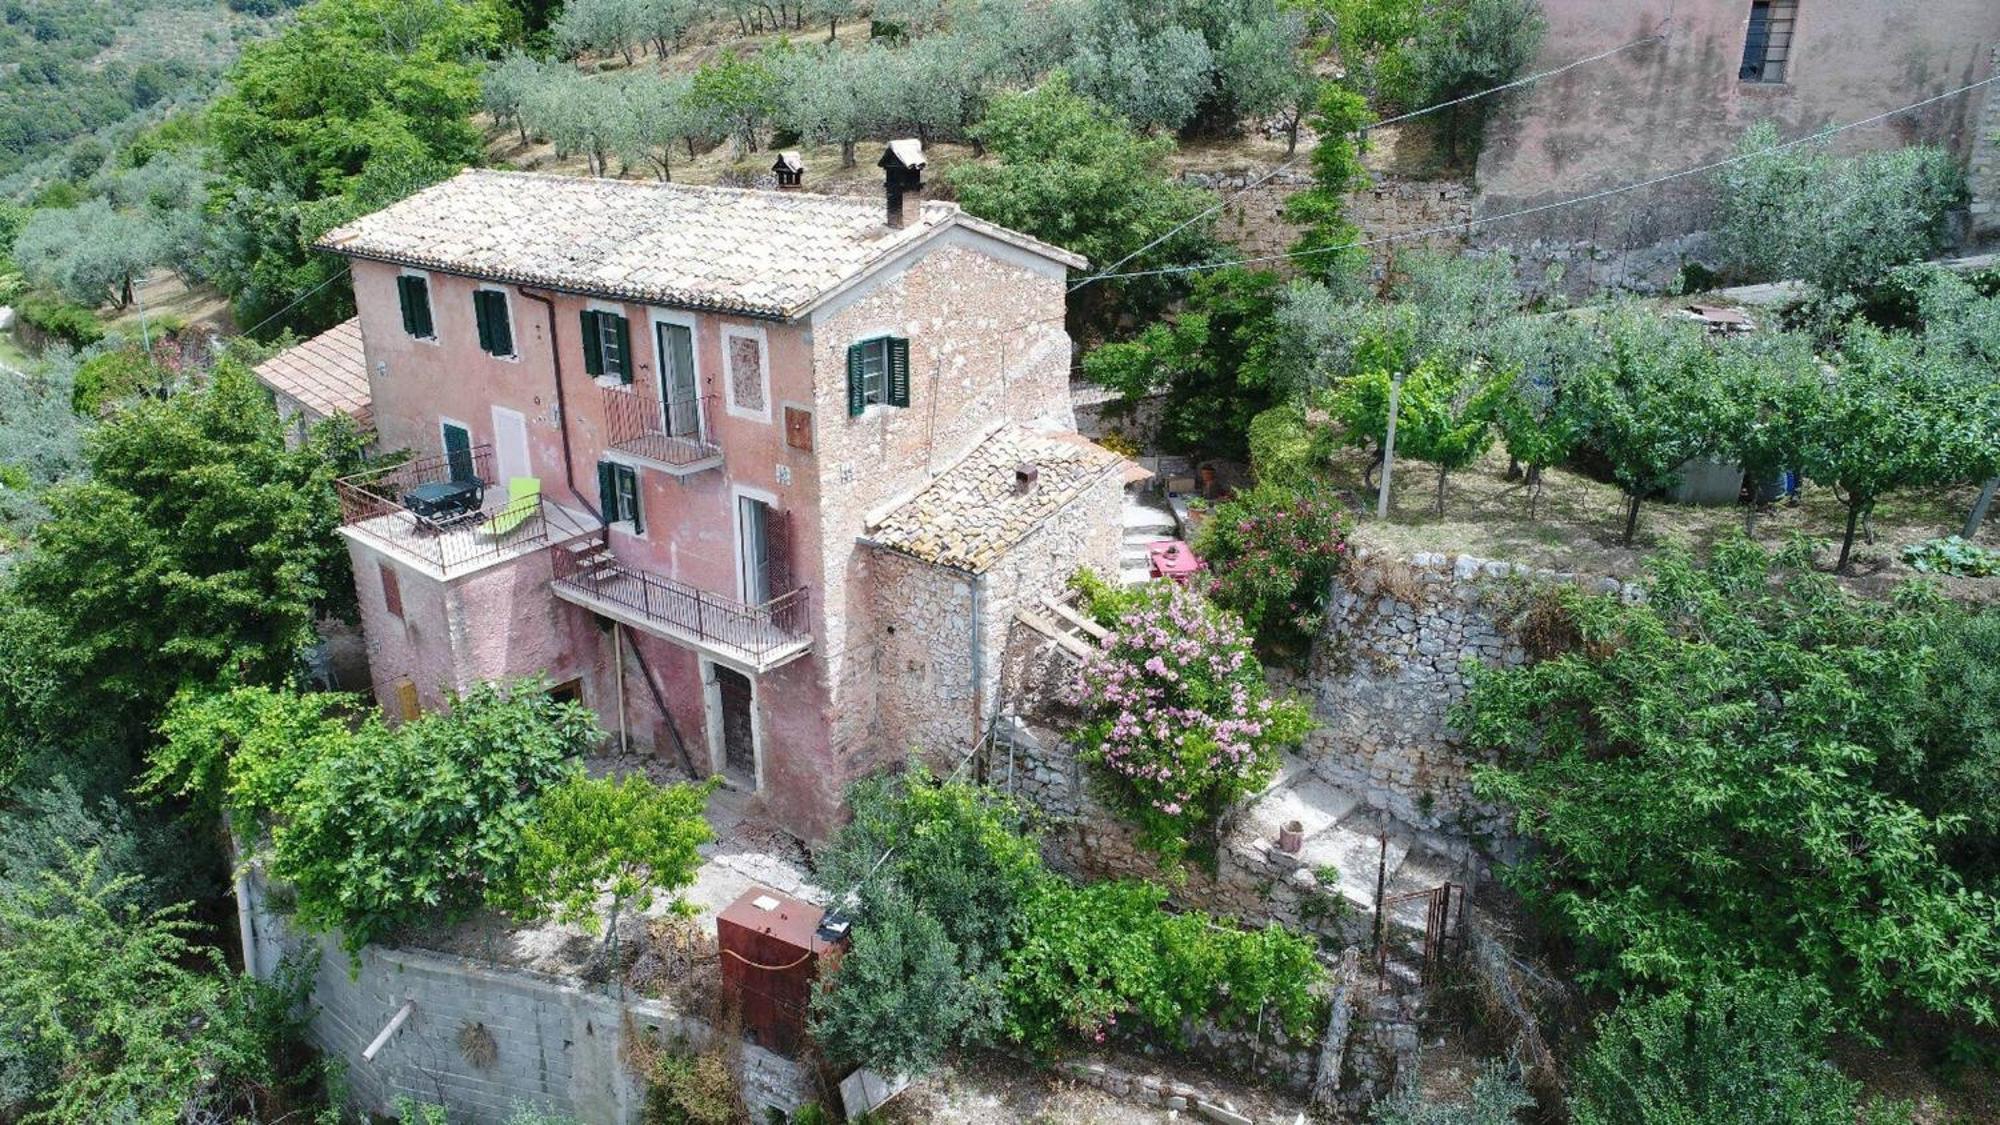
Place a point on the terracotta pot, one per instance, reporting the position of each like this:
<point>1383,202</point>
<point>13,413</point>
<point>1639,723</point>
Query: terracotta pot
<point>1291,837</point>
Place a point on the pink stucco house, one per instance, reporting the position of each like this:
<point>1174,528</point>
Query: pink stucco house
<point>760,476</point>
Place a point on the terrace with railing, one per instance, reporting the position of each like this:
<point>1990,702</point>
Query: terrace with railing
<point>759,637</point>
<point>675,436</point>
<point>447,512</point>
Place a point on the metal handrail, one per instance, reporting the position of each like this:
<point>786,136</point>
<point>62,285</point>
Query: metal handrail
<point>759,629</point>
<point>677,432</point>
<point>372,501</point>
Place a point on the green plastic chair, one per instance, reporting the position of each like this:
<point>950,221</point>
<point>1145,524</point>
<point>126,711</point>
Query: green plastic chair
<point>524,497</point>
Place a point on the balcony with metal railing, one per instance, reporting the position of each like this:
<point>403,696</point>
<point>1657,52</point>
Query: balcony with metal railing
<point>674,436</point>
<point>446,514</point>
<point>756,637</point>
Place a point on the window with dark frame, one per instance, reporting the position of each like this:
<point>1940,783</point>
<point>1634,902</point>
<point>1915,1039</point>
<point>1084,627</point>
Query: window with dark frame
<point>878,373</point>
<point>1767,41</point>
<point>607,344</point>
<point>618,495</point>
<point>414,295</point>
<point>496,334</point>
<point>569,691</point>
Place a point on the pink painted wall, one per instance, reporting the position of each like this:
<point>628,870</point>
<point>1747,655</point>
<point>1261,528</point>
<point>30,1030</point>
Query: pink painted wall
<point>1669,106</point>
<point>985,325</point>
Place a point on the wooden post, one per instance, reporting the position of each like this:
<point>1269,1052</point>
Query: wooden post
<point>618,658</point>
<point>1389,445</point>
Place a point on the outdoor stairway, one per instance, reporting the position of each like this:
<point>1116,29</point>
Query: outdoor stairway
<point>1147,521</point>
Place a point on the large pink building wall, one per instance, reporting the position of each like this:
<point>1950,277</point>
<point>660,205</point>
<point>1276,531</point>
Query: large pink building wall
<point>984,320</point>
<point>1665,107</point>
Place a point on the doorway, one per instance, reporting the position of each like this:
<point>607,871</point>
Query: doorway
<point>510,444</point>
<point>679,400</point>
<point>753,523</point>
<point>458,451</point>
<point>735,725</point>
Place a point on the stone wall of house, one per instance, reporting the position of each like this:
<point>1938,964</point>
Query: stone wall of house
<point>924,623</point>
<point>1385,206</point>
<point>483,1041</point>
<point>1983,173</point>
<point>1389,665</point>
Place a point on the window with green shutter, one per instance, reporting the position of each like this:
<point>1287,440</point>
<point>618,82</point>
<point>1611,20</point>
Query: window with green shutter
<point>878,373</point>
<point>618,495</point>
<point>496,334</point>
<point>607,344</point>
<point>414,294</point>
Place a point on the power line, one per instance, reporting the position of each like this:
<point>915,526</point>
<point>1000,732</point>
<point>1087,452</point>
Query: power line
<point>296,301</point>
<point>1222,204</point>
<point>1558,204</point>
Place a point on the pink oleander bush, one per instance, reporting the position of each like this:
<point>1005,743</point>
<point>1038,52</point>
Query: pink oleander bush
<point>1181,722</point>
<point>1271,555</point>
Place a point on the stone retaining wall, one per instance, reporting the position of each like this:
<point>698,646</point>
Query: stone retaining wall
<point>1389,665</point>
<point>483,1040</point>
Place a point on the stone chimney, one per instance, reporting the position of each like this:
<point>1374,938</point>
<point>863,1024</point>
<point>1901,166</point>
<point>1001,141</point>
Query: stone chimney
<point>791,171</point>
<point>903,166</point>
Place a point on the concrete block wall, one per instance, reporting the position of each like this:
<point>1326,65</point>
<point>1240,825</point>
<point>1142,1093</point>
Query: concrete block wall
<point>1983,167</point>
<point>557,1043</point>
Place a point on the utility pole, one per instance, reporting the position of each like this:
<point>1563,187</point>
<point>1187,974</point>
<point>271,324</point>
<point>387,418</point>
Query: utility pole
<point>1978,515</point>
<point>1389,445</point>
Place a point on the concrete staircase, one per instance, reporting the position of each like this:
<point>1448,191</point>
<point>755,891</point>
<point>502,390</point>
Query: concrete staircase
<point>1148,520</point>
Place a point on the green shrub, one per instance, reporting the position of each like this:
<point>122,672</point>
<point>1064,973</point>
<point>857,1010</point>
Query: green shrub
<point>1749,1052</point>
<point>1284,448</point>
<point>1181,724</point>
<point>690,1089</point>
<point>1272,554</point>
<point>1090,954</point>
<point>377,828</point>
<point>1952,555</point>
<point>71,323</point>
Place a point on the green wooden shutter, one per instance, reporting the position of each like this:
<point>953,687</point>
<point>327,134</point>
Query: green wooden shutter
<point>483,316</point>
<point>857,392</point>
<point>593,347</point>
<point>624,349</point>
<point>501,331</point>
<point>631,477</point>
<point>409,306</point>
<point>420,300</point>
<point>607,491</point>
<point>899,372</point>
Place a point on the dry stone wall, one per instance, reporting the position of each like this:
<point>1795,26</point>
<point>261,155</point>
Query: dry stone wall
<point>1391,662</point>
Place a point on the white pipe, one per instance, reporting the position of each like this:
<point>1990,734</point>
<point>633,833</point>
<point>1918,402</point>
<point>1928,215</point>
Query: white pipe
<point>396,1021</point>
<point>246,929</point>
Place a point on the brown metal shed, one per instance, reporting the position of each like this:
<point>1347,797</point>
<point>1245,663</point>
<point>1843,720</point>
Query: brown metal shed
<point>771,950</point>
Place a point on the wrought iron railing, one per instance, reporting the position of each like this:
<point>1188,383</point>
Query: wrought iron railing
<point>475,526</point>
<point>678,432</point>
<point>760,630</point>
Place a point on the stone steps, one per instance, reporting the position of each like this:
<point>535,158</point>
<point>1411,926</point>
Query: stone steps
<point>1145,522</point>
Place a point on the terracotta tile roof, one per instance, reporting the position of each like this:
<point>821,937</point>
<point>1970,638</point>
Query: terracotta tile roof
<point>326,374</point>
<point>972,514</point>
<point>763,253</point>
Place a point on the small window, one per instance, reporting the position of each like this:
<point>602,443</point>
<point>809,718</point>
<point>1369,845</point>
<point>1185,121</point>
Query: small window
<point>496,335</point>
<point>878,373</point>
<point>392,590</point>
<point>569,691</point>
<point>414,294</point>
<point>618,495</point>
<point>607,345</point>
<point>1767,42</point>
